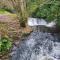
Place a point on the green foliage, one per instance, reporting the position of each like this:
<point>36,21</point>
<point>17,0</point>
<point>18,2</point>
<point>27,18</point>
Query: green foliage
<point>49,11</point>
<point>32,5</point>
<point>5,44</point>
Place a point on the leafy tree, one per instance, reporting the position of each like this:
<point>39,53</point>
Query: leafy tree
<point>49,11</point>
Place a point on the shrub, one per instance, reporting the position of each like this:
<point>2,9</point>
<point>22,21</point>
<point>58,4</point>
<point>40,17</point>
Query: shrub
<point>5,44</point>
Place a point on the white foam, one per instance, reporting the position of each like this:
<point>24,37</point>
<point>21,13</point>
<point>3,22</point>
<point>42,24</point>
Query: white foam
<point>37,22</point>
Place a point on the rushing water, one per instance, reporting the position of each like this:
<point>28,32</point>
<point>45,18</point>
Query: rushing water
<point>36,22</point>
<point>39,45</point>
<point>40,22</point>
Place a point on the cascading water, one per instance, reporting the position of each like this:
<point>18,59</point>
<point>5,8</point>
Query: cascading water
<point>39,45</point>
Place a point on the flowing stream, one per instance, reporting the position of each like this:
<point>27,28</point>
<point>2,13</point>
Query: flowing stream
<point>39,45</point>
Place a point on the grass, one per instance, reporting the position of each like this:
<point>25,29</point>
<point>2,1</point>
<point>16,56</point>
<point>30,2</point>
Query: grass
<point>2,11</point>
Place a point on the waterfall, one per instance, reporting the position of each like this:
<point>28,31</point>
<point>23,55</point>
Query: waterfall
<point>40,22</point>
<point>36,22</point>
<point>39,45</point>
